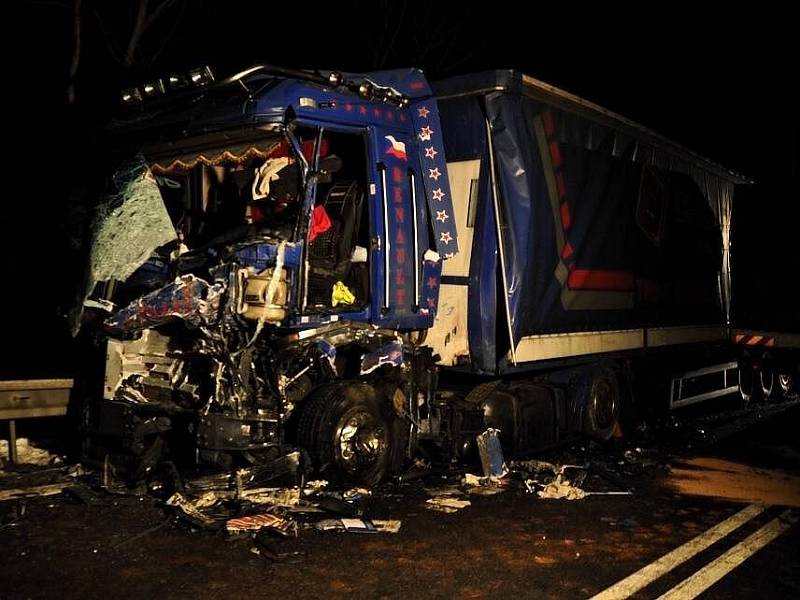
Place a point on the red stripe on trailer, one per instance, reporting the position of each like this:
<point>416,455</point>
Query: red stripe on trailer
<point>555,154</point>
<point>566,216</point>
<point>596,279</point>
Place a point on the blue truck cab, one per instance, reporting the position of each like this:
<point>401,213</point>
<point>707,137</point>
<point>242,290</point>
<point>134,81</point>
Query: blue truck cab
<point>270,242</point>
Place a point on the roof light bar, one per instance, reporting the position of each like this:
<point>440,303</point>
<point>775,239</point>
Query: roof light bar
<point>200,77</point>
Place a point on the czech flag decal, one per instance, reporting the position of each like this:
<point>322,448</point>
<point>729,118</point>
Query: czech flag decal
<point>395,148</point>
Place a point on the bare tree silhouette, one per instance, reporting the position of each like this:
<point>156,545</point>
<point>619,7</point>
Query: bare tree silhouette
<point>123,36</point>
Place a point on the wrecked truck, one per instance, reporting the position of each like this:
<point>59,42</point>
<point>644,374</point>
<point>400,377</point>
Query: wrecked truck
<point>346,264</point>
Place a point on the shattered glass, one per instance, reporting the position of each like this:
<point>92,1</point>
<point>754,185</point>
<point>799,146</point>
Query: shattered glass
<point>128,227</point>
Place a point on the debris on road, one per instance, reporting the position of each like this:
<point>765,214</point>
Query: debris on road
<point>446,504</point>
<point>387,526</point>
<point>561,487</point>
<point>359,525</point>
<point>43,482</point>
<point>51,489</point>
<point>280,525</point>
<point>485,490</point>
<point>191,510</point>
<point>447,490</point>
<point>491,453</point>
<point>284,497</point>
<point>482,486</point>
<point>29,454</point>
<point>329,525</point>
<point>548,480</point>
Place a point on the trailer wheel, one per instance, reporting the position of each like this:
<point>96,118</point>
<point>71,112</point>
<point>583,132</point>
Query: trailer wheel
<point>602,404</point>
<point>786,383</point>
<point>767,381</point>
<point>347,431</point>
<point>747,385</point>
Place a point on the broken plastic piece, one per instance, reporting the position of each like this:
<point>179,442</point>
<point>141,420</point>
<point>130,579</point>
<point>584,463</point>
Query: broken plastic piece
<point>388,354</point>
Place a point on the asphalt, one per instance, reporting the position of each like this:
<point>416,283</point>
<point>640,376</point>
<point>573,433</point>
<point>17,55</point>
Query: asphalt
<point>687,475</point>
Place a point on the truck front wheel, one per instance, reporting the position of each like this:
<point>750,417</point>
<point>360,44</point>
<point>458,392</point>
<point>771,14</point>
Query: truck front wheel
<point>347,431</point>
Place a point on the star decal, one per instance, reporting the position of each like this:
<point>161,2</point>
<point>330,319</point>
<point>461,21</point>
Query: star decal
<point>446,238</point>
<point>431,303</point>
<point>441,215</point>
<point>434,174</point>
<point>438,194</point>
<point>432,282</point>
<point>430,152</point>
<point>423,112</point>
<point>425,133</point>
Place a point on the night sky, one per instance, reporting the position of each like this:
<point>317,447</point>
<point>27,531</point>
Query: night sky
<point>721,85</point>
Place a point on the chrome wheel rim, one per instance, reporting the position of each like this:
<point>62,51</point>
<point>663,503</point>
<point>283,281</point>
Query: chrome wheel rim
<point>360,440</point>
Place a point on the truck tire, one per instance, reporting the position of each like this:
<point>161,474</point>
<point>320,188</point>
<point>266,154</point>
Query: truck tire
<point>346,429</point>
<point>766,380</point>
<point>786,384</point>
<point>748,389</point>
<point>602,403</point>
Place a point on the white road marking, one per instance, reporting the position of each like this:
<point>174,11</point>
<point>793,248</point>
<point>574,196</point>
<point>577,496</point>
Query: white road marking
<point>695,585</point>
<point>644,576</point>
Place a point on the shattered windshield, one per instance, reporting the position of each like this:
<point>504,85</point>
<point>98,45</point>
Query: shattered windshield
<point>232,192</point>
<point>160,207</point>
